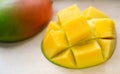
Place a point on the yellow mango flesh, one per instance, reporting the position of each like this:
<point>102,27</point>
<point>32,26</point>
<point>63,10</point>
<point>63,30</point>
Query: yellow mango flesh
<point>54,43</point>
<point>87,54</point>
<point>74,25</point>
<point>107,46</point>
<point>68,14</point>
<point>103,28</point>
<point>77,30</point>
<point>92,12</point>
<point>52,26</point>
<point>79,40</point>
<point>65,59</point>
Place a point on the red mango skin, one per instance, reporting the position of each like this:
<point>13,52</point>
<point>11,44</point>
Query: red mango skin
<point>21,19</point>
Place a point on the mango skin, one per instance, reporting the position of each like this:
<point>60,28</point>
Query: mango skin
<point>21,19</point>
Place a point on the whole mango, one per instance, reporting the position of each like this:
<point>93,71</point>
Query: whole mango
<point>21,19</point>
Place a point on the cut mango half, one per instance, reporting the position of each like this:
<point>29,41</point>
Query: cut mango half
<point>79,39</point>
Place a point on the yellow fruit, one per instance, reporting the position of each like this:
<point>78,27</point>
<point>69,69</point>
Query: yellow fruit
<point>77,30</point>
<point>68,14</point>
<point>92,12</point>
<point>103,28</point>
<point>74,25</point>
<point>54,42</point>
<point>87,54</point>
<point>79,40</point>
<point>52,26</point>
<point>107,46</point>
<point>65,59</point>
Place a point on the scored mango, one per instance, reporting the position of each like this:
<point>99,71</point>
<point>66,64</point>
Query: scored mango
<point>79,39</point>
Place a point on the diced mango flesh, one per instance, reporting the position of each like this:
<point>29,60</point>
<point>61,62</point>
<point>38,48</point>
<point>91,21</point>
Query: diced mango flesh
<point>88,54</point>
<point>74,25</point>
<point>79,40</point>
<point>77,30</point>
<point>68,14</point>
<point>54,43</point>
<point>107,46</point>
<point>104,28</point>
<point>52,26</point>
<point>92,12</point>
<point>65,59</point>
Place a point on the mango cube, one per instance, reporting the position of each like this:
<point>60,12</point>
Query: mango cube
<point>77,30</point>
<point>54,42</point>
<point>92,12</point>
<point>104,28</point>
<point>65,59</point>
<point>52,26</point>
<point>88,54</point>
<point>107,46</point>
<point>68,14</point>
<point>74,25</point>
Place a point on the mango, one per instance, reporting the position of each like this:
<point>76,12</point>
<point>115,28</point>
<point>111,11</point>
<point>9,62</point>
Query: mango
<point>68,14</point>
<point>52,26</point>
<point>79,40</point>
<point>87,54</point>
<point>65,59</point>
<point>92,12</point>
<point>107,46</point>
<point>103,28</point>
<point>58,44</point>
<point>69,18</point>
<point>22,19</point>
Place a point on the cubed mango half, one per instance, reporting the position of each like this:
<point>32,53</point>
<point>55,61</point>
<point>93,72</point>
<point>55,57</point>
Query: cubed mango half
<point>79,40</point>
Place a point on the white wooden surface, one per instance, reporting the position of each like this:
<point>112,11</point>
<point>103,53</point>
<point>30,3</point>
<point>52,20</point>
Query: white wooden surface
<point>25,57</point>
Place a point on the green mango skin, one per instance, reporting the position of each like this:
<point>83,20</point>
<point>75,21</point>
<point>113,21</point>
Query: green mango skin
<point>21,19</point>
